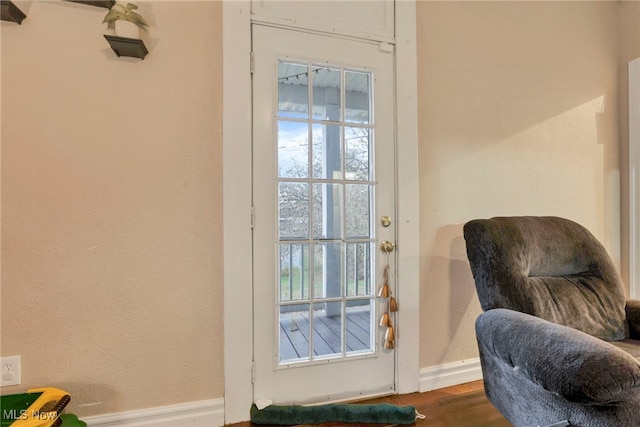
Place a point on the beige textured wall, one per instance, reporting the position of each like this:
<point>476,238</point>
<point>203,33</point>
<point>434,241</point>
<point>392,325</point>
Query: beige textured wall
<point>518,108</point>
<point>629,11</point>
<point>111,214</point>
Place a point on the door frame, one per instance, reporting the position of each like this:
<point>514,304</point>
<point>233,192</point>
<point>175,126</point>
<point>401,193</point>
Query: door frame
<point>634,179</point>
<point>237,195</point>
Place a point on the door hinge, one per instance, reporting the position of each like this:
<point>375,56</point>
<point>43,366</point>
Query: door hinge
<point>253,217</point>
<point>253,372</point>
<point>252,61</point>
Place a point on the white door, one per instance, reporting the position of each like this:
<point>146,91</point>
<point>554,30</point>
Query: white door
<point>323,178</point>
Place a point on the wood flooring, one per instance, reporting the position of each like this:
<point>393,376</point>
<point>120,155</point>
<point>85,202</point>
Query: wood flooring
<point>463,405</point>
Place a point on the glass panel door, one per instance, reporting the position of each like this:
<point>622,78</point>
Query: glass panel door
<point>325,238</point>
<point>323,176</point>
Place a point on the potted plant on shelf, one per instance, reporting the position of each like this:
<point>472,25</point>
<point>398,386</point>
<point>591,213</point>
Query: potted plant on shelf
<point>125,20</point>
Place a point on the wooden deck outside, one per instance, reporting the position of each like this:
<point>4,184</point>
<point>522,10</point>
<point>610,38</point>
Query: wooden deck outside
<point>294,333</point>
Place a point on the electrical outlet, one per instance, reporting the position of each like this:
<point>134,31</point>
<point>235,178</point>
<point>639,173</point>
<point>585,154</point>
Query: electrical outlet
<point>10,370</point>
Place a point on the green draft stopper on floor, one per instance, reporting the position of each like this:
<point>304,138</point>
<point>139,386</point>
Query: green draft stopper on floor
<point>383,413</point>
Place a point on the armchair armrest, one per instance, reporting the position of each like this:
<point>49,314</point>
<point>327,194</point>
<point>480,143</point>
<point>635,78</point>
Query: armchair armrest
<point>633,318</point>
<point>562,360</point>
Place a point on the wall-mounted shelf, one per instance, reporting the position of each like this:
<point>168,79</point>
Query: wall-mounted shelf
<point>10,12</point>
<point>124,46</point>
<point>108,4</point>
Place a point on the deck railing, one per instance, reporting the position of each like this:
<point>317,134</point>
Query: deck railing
<point>296,272</point>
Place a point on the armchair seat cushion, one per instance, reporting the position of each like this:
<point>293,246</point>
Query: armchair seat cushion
<point>562,360</point>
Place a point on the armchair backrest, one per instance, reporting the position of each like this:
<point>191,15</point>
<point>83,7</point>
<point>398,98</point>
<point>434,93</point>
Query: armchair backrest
<point>548,267</point>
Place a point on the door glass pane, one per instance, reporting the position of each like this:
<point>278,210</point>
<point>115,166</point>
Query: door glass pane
<point>293,210</point>
<point>357,157</point>
<point>293,90</point>
<point>358,263</point>
<point>325,289</point>
<point>327,151</point>
<point>327,211</point>
<point>327,264</point>
<point>293,149</point>
<point>357,207</point>
<point>356,93</point>
<point>294,272</point>
<point>294,332</point>
<point>327,329</point>
<point>326,93</point>
<point>359,315</point>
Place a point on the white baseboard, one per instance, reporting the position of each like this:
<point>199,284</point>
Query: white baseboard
<point>450,374</point>
<point>205,413</point>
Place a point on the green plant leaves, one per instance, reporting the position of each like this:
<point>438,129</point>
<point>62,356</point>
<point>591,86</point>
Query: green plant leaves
<point>126,13</point>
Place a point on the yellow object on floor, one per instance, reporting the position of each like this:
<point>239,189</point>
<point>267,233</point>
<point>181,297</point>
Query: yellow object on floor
<point>39,407</point>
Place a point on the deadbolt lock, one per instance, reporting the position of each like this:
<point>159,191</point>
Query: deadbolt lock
<point>385,221</point>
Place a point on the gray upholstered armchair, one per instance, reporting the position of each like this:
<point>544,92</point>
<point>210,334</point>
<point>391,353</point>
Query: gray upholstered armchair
<point>557,339</point>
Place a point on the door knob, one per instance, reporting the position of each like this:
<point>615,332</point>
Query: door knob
<point>387,246</point>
